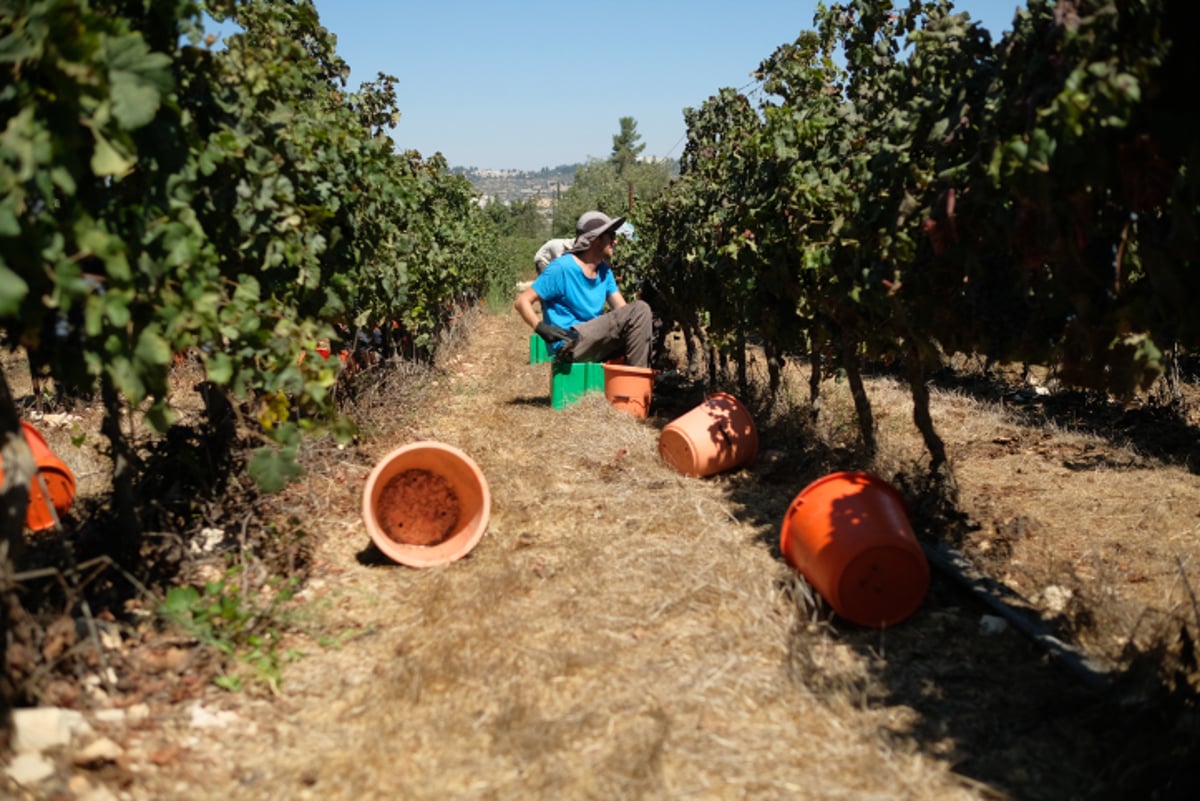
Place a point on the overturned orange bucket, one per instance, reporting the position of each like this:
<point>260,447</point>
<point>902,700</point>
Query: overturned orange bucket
<point>717,435</point>
<point>426,504</point>
<point>629,388</point>
<point>849,535</point>
<point>53,475</point>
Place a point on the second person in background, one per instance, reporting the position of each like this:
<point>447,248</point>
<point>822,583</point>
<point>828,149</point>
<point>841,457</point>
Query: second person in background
<point>551,250</point>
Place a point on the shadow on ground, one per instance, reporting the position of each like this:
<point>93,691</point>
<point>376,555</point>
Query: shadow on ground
<point>1155,430</point>
<point>1010,719</point>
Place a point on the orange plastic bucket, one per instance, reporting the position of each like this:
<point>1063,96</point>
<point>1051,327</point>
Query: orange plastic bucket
<point>849,535</point>
<point>426,504</point>
<point>717,435</point>
<point>52,473</point>
<point>629,388</point>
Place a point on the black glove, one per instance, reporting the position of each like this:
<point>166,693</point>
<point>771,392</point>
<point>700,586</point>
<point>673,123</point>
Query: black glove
<point>553,333</point>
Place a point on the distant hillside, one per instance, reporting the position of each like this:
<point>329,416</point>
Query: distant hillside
<point>509,185</point>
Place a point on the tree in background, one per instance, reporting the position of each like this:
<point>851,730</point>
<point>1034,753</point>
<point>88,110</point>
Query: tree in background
<point>519,218</point>
<point>520,228</point>
<point>614,185</point>
<point>626,145</point>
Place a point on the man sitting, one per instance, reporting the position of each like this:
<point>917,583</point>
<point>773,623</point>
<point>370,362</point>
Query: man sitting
<point>573,290</point>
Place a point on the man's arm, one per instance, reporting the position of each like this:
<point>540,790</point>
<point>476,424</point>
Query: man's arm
<point>551,333</point>
<point>524,306</point>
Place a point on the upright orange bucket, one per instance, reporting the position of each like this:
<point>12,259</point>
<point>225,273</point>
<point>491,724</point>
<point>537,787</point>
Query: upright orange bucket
<point>426,504</point>
<point>717,435</point>
<point>54,474</point>
<point>849,535</point>
<point>629,388</point>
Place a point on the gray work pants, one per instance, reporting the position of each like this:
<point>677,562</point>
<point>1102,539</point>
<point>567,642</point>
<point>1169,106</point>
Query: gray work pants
<point>625,332</point>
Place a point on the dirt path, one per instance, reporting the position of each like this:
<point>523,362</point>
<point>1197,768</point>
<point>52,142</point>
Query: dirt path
<point>533,669</point>
<point>619,632</point>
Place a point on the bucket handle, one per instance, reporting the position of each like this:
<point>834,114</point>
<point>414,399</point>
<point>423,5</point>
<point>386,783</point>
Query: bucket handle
<point>639,402</point>
<point>41,480</point>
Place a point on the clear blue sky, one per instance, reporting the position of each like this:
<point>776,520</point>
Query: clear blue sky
<point>526,84</point>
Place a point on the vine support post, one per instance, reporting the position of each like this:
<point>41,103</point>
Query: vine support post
<point>697,348</point>
<point>921,414</point>
<point>814,378</point>
<point>19,472</point>
<point>774,369</point>
<point>19,469</point>
<point>862,403</point>
<point>916,347</point>
<point>123,470</point>
<point>743,379</point>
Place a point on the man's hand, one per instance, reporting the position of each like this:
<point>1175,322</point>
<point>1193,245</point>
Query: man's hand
<point>552,333</point>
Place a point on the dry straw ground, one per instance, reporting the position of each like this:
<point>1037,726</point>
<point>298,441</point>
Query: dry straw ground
<point>623,632</point>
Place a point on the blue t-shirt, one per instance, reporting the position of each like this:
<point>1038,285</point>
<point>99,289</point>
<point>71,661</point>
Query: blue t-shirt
<point>568,296</point>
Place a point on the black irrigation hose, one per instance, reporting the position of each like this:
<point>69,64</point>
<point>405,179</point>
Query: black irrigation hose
<point>1003,601</point>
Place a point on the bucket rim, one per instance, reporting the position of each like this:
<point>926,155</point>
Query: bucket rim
<point>44,457</point>
<point>682,429</point>
<point>629,368</point>
<point>31,430</point>
<point>409,555</point>
<point>871,479</point>
<point>424,444</point>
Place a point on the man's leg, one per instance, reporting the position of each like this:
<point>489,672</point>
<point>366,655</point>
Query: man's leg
<point>625,332</point>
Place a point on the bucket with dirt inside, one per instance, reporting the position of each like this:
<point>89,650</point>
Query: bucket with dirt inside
<point>426,504</point>
<point>629,388</point>
<point>52,490</point>
<point>849,535</point>
<point>717,435</point>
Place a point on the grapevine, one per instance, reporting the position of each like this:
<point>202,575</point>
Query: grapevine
<point>907,189</point>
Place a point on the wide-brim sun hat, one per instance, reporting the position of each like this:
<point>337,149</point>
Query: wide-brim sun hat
<point>591,226</point>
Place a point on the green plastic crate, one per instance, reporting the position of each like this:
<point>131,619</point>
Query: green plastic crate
<point>570,382</point>
<point>538,352</point>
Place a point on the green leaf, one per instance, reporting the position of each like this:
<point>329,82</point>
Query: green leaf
<point>1041,148</point>
<point>152,349</point>
<point>273,468</point>
<point>248,290</point>
<point>139,79</point>
<point>134,103</point>
<point>106,160</point>
<point>94,239</point>
<point>180,600</point>
<point>228,682</point>
<point>160,416</point>
<point>938,131</point>
<point>116,309</point>
<point>126,378</point>
<point>13,290</point>
<point>8,219</point>
<point>63,179</point>
<point>1129,88</point>
<point>15,48</point>
<point>220,368</point>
